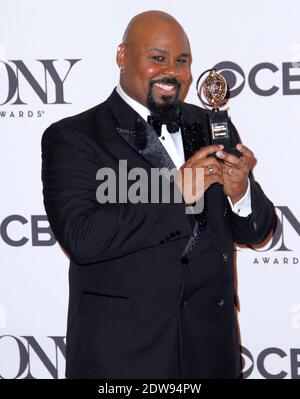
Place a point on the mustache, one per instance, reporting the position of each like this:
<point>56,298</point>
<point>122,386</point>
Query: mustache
<point>166,80</point>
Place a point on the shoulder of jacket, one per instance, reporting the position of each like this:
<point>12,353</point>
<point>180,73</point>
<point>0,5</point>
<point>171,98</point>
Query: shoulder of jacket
<point>194,109</point>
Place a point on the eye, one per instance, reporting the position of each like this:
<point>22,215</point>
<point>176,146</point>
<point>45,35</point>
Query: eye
<point>158,58</point>
<point>182,60</point>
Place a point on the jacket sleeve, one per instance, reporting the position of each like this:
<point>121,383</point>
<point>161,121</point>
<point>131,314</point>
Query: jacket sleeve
<point>87,230</point>
<point>254,228</point>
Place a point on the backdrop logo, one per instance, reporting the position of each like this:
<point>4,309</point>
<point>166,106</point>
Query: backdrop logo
<point>236,77</point>
<point>247,362</point>
<point>15,76</point>
<point>26,354</point>
<point>285,220</point>
<point>270,363</point>
<point>17,230</point>
<point>283,240</point>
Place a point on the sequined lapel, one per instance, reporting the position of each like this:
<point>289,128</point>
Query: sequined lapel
<point>146,142</point>
<point>138,134</point>
<point>193,130</point>
<point>194,136</point>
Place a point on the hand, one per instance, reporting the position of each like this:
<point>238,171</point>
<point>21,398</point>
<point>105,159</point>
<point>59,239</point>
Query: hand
<point>212,173</point>
<point>235,172</point>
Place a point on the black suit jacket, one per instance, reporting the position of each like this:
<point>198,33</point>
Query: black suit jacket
<point>150,296</point>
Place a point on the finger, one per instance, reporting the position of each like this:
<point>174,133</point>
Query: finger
<point>230,171</point>
<point>209,165</point>
<point>212,170</point>
<point>244,150</point>
<point>206,162</point>
<point>233,173</point>
<point>231,159</point>
<point>205,151</point>
<point>241,166</point>
<point>248,157</point>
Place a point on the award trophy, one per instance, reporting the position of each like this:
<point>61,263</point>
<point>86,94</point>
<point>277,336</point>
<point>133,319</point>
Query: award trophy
<point>214,89</point>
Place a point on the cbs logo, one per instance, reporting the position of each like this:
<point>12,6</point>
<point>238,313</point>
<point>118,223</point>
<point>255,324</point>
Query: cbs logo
<point>286,74</point>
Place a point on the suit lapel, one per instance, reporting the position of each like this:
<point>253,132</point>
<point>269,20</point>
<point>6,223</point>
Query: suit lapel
<point>194,131</point>
<point>146,142</point>
<point>194,136</point>
<point>139,134</point>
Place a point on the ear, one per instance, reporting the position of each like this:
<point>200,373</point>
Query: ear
<point>121,55</point>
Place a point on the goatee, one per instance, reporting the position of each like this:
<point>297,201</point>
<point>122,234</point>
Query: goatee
<point>168,109</point>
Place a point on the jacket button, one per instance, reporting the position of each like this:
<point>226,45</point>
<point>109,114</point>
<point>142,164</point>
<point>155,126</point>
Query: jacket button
<point>225,212</point>
<point>225,256</point>
<point>254,226</point>
<point>221,302</point>
<point>184,260</point>
<point>183,304</point>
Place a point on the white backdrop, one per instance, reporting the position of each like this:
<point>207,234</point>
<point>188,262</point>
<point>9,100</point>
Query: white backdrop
<point>33,269</point>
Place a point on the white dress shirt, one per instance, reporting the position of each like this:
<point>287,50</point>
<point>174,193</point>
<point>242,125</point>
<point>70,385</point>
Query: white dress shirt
<point>174,146</point>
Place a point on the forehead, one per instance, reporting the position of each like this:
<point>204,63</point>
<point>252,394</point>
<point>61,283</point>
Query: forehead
<point>167,37</point>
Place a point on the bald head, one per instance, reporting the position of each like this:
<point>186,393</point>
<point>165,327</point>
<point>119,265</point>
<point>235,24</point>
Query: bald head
<point>155,49</point>
<point>148,20</point>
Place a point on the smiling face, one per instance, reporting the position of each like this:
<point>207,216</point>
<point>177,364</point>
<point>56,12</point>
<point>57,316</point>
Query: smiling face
<point>155,60</point>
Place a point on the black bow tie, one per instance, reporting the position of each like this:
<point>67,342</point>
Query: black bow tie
<point>156,123</point>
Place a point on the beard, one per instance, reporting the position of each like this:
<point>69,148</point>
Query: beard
<point>167,109</point>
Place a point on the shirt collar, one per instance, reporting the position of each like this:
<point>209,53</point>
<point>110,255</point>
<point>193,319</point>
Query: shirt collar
<point>139,108</point>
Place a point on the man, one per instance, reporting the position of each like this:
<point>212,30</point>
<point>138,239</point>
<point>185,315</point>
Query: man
<point>152,292</point>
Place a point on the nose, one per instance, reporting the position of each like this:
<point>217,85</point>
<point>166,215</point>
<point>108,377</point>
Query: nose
<point>171,69</point>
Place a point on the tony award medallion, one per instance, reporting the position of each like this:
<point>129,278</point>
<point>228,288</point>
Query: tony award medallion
<point>214,89</point>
